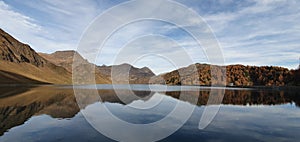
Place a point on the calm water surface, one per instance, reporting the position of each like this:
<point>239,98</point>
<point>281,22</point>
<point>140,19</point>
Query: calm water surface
<point>50,113</point>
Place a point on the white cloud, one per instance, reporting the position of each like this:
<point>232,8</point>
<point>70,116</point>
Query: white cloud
<point>258,33</point>
<point>58,26</point>
<point>265,33</point>
<point>27,30</point>
<point>16,22</point>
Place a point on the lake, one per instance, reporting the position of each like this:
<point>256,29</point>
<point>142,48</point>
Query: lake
<point>51,113</point>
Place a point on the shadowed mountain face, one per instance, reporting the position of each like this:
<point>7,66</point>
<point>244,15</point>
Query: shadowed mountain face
<point>26,65</point>
<point>11,78</point>
<point>237,75</point>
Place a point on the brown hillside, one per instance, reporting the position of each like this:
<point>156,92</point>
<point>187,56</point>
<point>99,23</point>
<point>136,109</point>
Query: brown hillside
<point>238,75</point>
<point>19,59</point>
<point>126,72</point>
<point>65,59</point>
<point>14,51</point>
<point>102,73</point>
<point>12,78</point>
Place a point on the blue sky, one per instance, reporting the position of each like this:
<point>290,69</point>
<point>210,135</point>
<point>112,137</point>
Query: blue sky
<point>250,32</point>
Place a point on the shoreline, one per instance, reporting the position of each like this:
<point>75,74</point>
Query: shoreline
<point>279,88</point>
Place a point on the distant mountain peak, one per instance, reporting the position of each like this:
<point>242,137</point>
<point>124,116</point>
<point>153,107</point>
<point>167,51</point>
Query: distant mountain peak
<point>64,58</point>
<point>147,70</point>
<point>124,65</point>
<point>65,52</point>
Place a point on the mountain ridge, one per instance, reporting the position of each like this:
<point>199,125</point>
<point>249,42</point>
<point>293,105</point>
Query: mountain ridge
<point>21,60</point>
<point>136,75</point>
<point>14,51</point>
<point>20,64</point>
<point>236,75</point>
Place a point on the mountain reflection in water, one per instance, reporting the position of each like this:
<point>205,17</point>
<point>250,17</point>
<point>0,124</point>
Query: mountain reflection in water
<point>18,105</point>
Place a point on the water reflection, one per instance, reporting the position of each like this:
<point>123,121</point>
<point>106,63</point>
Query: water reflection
<point>19,105</point>
<point>248,97</point>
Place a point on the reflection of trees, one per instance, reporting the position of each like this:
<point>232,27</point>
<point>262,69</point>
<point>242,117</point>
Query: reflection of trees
<point>244,97</point>
<point>16,106</point>
<point>297,77</point>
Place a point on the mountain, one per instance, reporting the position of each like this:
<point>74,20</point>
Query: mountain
<point>16,52</point>
<point>236,75</point>
<point>65,59</point>
<point>103,73</point>
<point>126,72</point>
<point>19,63</point>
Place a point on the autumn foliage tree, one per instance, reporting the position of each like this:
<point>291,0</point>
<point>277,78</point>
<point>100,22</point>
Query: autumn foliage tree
<point>238,75</point>
<point>297,77</point>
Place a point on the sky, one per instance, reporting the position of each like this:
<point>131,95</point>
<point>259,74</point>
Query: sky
<point>249,32</point>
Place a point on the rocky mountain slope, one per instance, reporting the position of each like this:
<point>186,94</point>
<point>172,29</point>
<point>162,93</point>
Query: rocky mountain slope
<point>236,75</point>
<point>19,63</point>
<point>65,59</point>
<point>16,52</point>
<point>122,73</point>
<point>125,73</point>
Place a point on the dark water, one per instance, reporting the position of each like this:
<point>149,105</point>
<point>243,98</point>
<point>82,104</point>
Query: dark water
<point>50,113</point>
